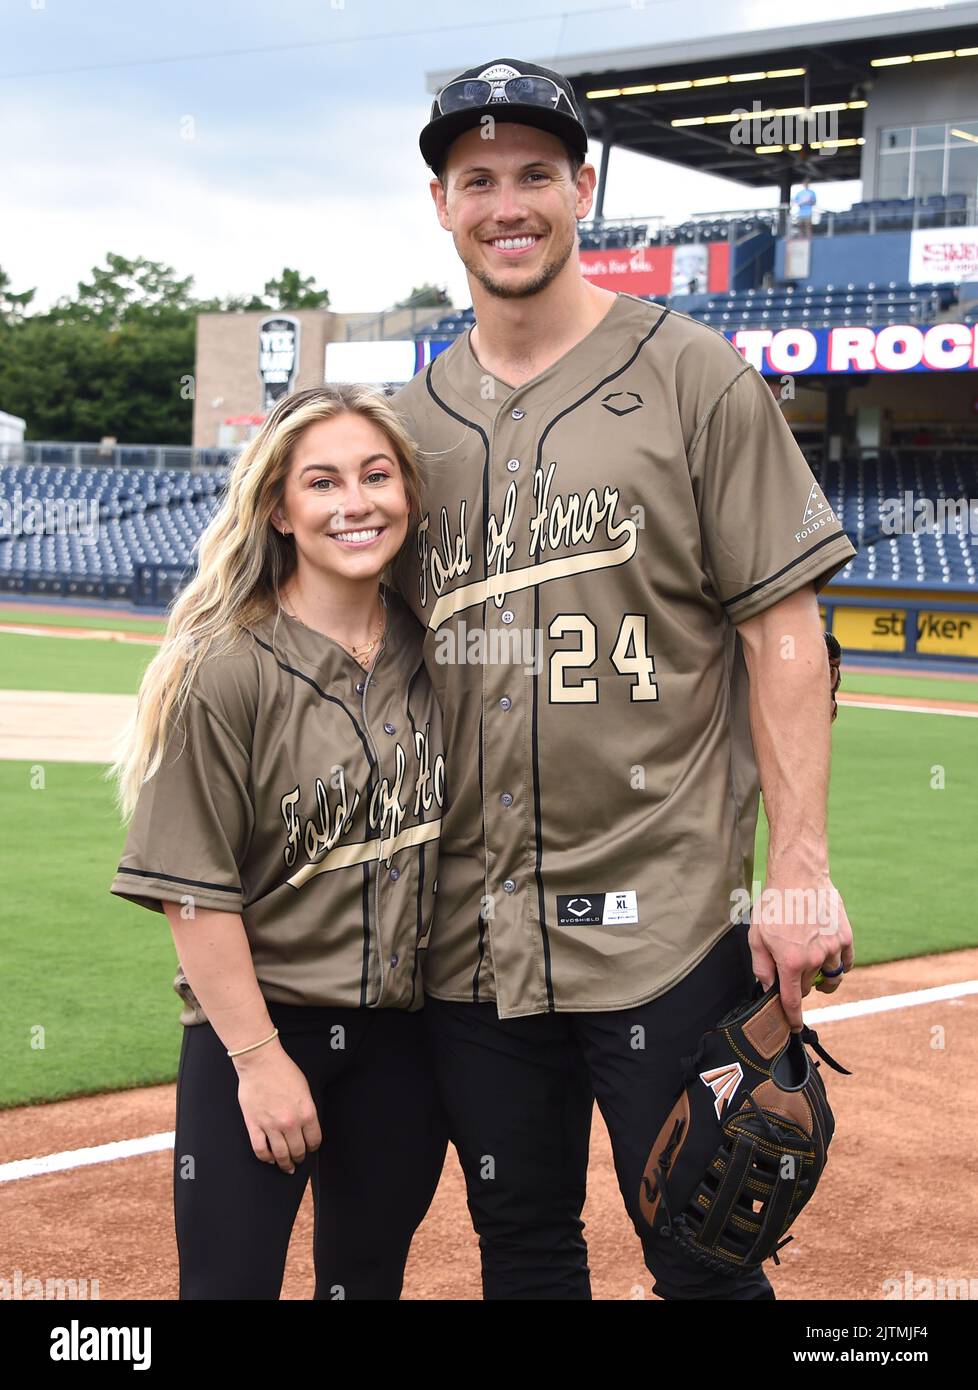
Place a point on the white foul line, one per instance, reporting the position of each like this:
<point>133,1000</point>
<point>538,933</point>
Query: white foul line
<point>908,709</point>
<point>832,1013</point>
<point>82,1158</point>
<point>158,1143</point>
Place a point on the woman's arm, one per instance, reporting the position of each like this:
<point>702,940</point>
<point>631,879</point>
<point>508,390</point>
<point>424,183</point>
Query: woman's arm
<point>273,1093</point>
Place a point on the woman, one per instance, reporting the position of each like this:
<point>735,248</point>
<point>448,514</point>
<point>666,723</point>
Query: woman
<point>285,777</point>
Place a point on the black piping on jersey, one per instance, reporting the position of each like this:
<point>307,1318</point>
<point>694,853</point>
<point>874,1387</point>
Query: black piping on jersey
<point>729,602</point>
<point>333,699</point>
<point>421,848</point>
<point>366,936</point>
<point>482,955</point>
<point>471,424</point>
<point>173,878</point>
<point>534,734</point>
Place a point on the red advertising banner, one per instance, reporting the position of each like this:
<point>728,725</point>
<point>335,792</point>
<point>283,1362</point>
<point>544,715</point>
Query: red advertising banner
<point>692,268</point>
<point>719,273</point>
<point>647,270</point>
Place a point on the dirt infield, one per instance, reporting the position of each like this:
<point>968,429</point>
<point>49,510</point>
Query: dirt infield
<point>89,610</point>
<point>55,726</point>
<point>869,1222</point>
<point>82,634</point>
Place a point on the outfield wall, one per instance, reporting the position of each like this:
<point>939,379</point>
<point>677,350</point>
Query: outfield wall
<point>903,623</point>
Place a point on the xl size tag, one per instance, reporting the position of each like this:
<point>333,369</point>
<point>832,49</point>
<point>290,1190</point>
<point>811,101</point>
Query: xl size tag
<point>597,909</point>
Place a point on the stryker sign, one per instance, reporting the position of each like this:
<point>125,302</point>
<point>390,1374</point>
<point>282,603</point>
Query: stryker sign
<point>904,347</point>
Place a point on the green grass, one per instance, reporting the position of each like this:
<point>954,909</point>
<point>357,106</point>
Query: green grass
<point>912,687</point>
<point>901,852</point>
<point>73,664</point>
<point>92,971</point>
<point>117,622</point>
<point>96,972</point>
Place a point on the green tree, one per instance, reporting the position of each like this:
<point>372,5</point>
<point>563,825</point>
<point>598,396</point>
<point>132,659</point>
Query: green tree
<point>425,297</point>
<point>12,305</point>
<point>117,356</point>
<point>294,291</point>
<point>123,291</point>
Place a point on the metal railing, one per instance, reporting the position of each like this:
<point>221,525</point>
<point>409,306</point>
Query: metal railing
<point>375,329</point>
<point>157,456</point>
<point>631,233</point>
<point>911,217</point>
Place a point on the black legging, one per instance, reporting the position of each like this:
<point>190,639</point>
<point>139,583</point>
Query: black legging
<point>373,1178</point>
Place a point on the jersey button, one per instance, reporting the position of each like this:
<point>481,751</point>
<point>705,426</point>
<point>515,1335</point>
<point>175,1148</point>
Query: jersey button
<point>359,687</point>
<point>507,615</point>
<point>394,959</point>
<point>395,874</point>
<point>389,729</point>
<point>512,464</point>
<point>509,886</point>
<point>518,414</point>
<point>505,703</point>
<point>507,798</point>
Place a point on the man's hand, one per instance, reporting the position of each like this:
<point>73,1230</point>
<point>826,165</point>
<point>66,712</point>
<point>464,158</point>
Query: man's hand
<point>798,926</point>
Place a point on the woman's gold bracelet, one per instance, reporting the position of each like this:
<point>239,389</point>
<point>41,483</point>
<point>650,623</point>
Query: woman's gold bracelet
<point>238,1051</point>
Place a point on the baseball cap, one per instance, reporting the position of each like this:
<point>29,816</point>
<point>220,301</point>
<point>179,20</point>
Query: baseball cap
<point>508,89</point>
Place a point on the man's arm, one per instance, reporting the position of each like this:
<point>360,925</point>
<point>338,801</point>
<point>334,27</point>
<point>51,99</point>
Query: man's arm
<point>800,922</point>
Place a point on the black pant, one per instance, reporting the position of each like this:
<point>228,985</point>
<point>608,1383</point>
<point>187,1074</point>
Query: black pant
<point>520,1093</point>
<point>373,1177</point>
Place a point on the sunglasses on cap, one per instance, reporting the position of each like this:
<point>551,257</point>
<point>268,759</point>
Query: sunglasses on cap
<point>466,92</point>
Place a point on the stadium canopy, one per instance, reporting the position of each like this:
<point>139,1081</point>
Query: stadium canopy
<point>674,101</point>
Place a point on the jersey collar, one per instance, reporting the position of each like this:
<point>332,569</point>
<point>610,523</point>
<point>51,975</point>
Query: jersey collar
<point>466,374</point>
<point>325,660</point>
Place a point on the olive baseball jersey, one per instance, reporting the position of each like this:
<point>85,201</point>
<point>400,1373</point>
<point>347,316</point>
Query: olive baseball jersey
<point>306,795</point>
<point>589,541</point>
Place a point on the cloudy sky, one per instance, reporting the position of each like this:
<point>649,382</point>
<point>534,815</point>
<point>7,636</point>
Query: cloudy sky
<point>229,138</point>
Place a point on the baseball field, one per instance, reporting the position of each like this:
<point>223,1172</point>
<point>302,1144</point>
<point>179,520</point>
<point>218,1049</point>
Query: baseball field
<point>90,1041</point>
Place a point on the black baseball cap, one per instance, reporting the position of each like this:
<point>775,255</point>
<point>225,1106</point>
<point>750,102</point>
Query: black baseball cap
<point>508,89</point>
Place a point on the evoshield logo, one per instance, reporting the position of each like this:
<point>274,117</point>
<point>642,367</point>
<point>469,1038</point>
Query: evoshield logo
<point>623,402</point>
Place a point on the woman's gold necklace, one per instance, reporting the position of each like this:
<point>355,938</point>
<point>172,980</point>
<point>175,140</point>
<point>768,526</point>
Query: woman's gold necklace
<point>358,653</point>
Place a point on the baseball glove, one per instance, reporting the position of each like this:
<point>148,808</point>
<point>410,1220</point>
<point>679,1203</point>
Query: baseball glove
<point>835,667</point>
<point>745,1144</point>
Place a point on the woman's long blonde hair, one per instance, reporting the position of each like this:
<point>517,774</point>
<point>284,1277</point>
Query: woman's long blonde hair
<point>243,562</point>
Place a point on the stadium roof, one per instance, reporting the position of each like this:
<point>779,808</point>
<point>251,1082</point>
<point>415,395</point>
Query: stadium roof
<point>701,82</point>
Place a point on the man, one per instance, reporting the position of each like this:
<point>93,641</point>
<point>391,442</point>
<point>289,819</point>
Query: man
<point>804,201</point>
<point>615,515</point>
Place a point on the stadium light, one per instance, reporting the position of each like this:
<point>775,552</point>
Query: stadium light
<point>765,115</point>
<point>963,135</point>
<point>923,57</point>
<point>684,84</point>
<point>836,144</point>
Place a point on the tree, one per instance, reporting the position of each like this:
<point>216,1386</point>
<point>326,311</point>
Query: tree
<point>12,305</point>
<point>116,357</point>
<point>425,297</point>
<point>122,291</point>
<point>292,291</point>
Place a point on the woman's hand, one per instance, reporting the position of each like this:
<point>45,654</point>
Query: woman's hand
<point>277,1105</point>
